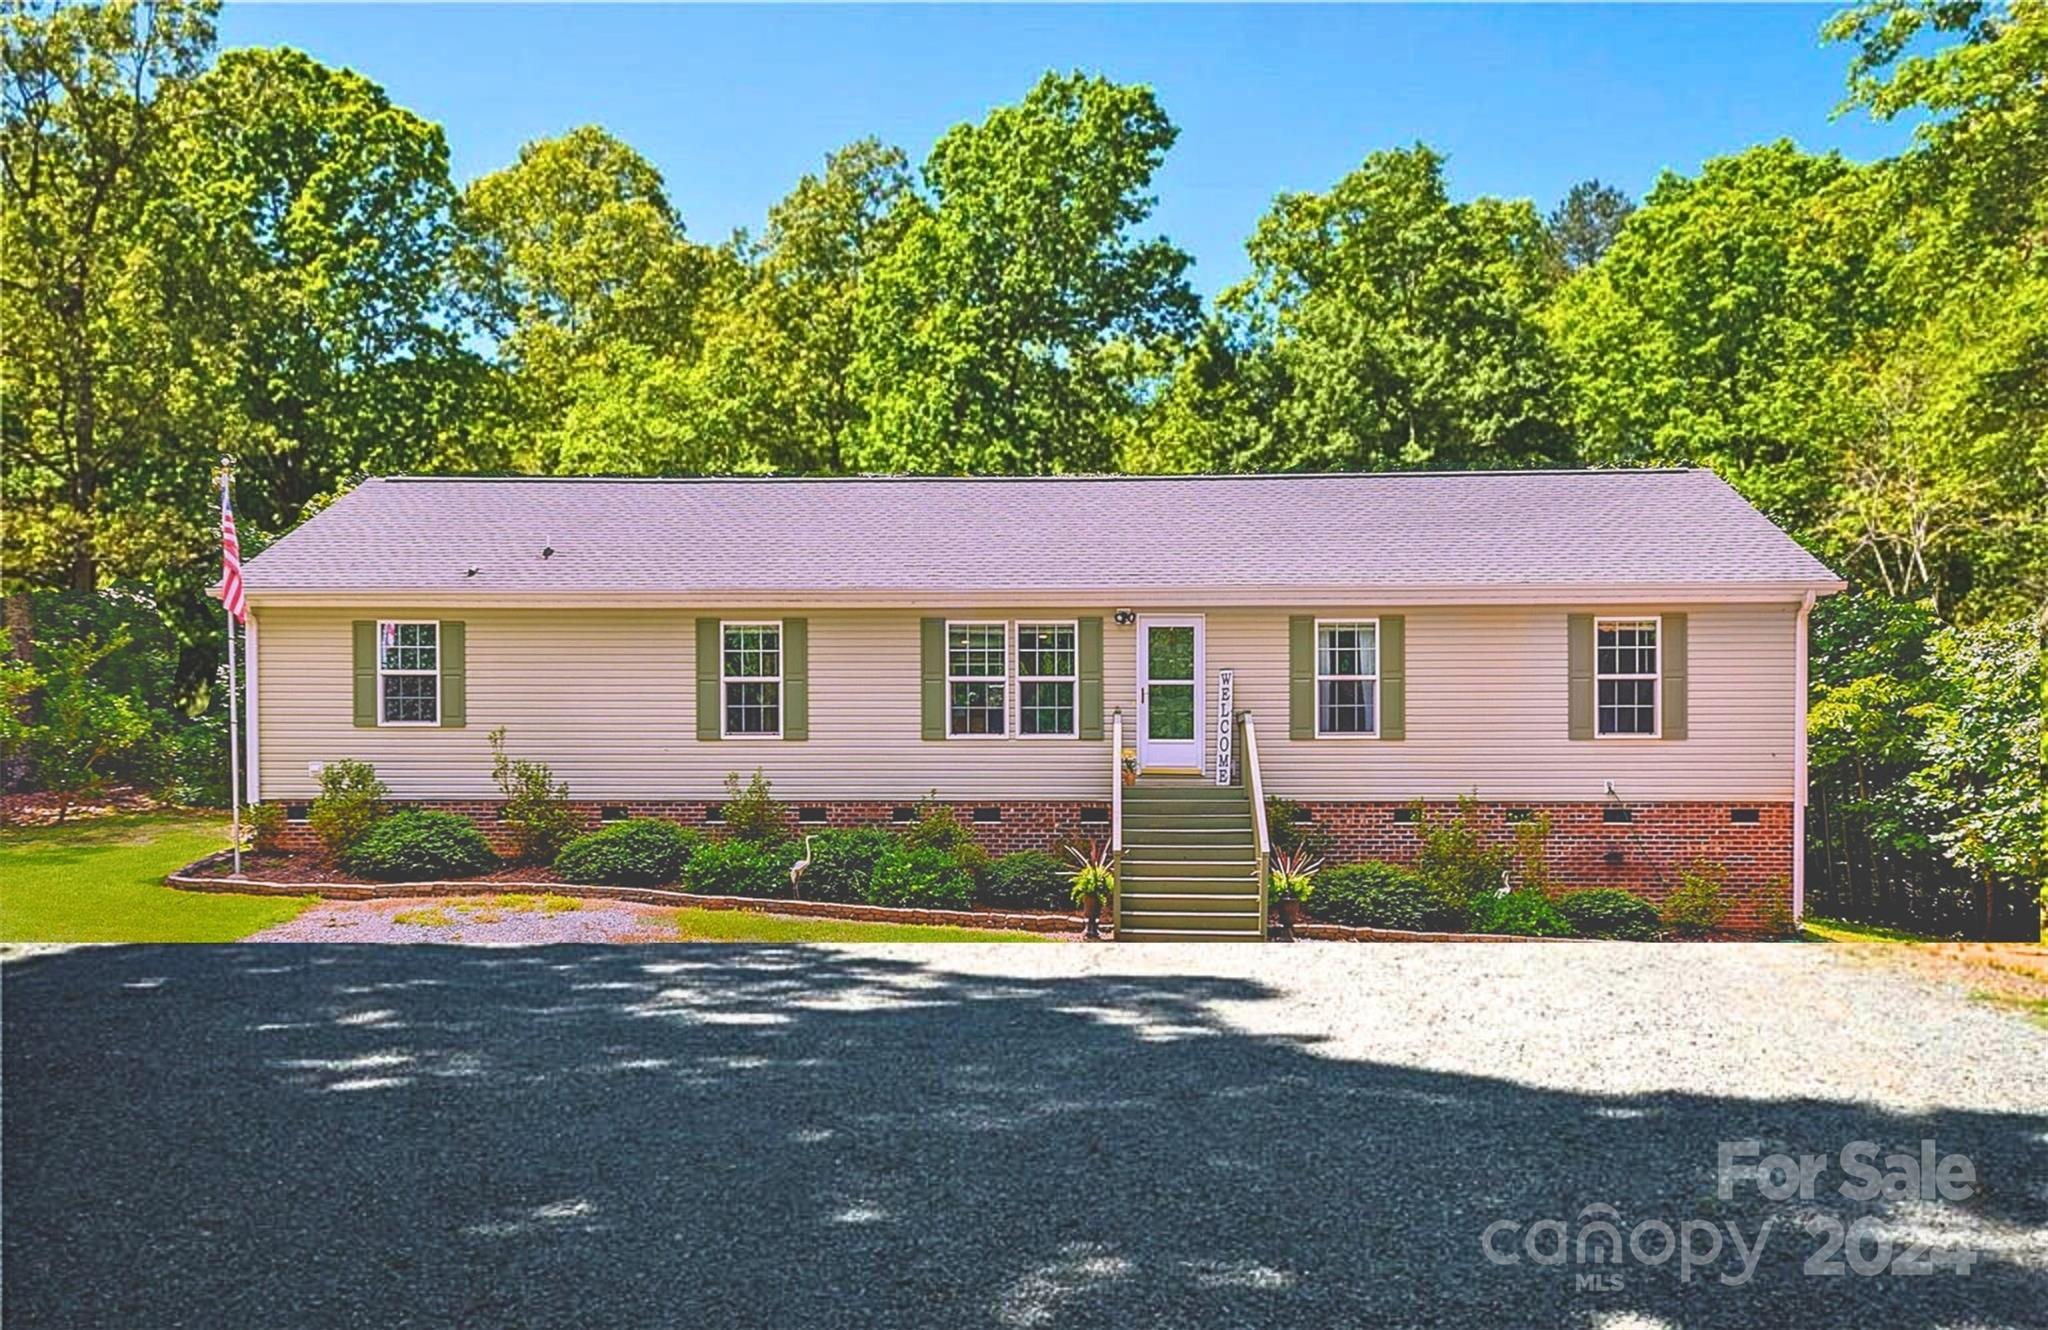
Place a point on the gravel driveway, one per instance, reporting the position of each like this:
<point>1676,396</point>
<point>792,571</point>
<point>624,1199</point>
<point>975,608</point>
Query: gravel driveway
<point>993,1136</point>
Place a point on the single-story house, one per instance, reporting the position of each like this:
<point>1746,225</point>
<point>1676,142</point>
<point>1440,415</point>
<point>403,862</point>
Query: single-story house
<point>1623,651</point>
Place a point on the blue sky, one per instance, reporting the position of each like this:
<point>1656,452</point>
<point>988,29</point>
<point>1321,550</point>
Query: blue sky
<point>733,104</point>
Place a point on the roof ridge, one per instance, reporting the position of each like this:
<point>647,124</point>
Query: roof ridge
<point>891,478</point>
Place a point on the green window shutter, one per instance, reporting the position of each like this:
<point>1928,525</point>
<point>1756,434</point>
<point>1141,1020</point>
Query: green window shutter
<point>1674,650</point>
<point>1393,676</point>
<point>1088,642</point>
<point>1301,676</point>
<point>709,649</point>
<point>454,674</point>
<point>1580,674</point>
<point>366,671</point>
<point>933,674</point>
<point>796,679</point>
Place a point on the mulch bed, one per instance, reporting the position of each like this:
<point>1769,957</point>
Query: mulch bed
<point>39,808</point>
<point>316,875</point>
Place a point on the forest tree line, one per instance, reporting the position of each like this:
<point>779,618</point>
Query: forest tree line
<point>247,253</point>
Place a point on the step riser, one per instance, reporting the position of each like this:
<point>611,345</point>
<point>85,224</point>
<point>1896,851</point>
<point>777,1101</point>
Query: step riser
<point>1139,872</point>
<point>1190,852</point>
<point>1235,902</point>
<point>1192,886</point>
<point>1168,935</point>
<point>1223,923</point>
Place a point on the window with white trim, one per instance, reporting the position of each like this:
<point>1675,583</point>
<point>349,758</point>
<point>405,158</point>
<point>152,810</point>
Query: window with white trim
<point>1347,677</point>
<point>750,678</point>
<point>1047,678</point>
<point>977,675</point>
<point>408,672</point>
<point>1625,677</point>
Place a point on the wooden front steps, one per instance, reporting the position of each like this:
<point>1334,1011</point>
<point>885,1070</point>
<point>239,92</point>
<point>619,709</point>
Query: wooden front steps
<point>1190,864</point>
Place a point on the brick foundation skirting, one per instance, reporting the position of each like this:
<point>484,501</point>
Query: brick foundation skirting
<point>1644,855</point>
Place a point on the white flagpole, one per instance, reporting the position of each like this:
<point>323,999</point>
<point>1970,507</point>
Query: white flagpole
<point>234,714</point>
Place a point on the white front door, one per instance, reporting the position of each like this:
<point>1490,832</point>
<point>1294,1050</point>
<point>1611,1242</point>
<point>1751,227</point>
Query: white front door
<point>1170,693</point>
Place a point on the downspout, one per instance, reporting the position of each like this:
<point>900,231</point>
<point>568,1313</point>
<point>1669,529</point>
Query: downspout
<point>1799,705</point>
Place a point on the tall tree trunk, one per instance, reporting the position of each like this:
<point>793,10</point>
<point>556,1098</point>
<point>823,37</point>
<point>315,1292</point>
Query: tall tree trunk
<point>22,646</point>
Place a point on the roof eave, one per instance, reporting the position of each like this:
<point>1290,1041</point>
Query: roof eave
<point>1193,595</point>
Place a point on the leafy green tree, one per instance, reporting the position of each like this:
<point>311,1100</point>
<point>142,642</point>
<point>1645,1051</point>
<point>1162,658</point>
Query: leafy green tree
<point>93,96</point>
<point>1383,326</point>
<point>988,334</point>
<point>775,382</point>
<point>84,725</point>
<point>1983,773</point>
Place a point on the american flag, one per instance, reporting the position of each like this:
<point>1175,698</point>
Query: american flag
<point>231,562</point>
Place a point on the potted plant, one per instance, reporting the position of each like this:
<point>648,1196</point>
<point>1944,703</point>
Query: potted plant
<point>1290,881</point>
<point>1130,764</point>
<point>1093,881</point>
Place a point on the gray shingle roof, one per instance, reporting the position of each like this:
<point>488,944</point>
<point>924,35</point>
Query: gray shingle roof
<point>897,536</point>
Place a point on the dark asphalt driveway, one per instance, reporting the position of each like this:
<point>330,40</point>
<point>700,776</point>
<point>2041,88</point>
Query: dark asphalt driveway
<point>423,1136</point>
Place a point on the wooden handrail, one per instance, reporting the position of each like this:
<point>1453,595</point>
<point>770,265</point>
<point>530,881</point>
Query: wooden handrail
<point>1116,821</point>
<point>1255,789</point>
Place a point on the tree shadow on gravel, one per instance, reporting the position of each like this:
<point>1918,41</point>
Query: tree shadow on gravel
<point>760,1136</point>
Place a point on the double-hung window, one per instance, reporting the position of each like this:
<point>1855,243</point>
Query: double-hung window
<point>408,673</point>
<point>750,678</point>
<point>977,675</point>
<point>1347,677</point>
<point>1625,662</point>
<point>1046,678</point>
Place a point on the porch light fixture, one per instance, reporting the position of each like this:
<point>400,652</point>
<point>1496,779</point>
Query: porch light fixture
<point>1125,618</point>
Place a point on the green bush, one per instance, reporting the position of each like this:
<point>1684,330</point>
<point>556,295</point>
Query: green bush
<point>416,844</point>
<point>842,862</point>
<point>351,800</point>
<point>1606,912</point>
<point>939,828</point>
<point>1519,913</point>
<point>1293,832</point>
<point>923,878</point>
<point>644,852</point>
<point>1026,880</point>
<point>1696,905</point>
<point>266,825</point>
<point>751,812</point>
<point>1379,895</point>
<point>1455,859</point>
<point>740,868</point>
<point>536,809</point>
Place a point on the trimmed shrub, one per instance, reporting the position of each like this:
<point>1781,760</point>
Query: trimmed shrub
<point>751,813</point>
<point>536,809</point>
<point>1607,912</point>
<point>740,868</point>
<point>1026,880</point>
<point>645,852</point>
<point>351,800</point>
<point>1696,906</point>
<point>939,828</point>
<point>1455,859</point>
<point>922,878</point>
<point>416,844</point>
<point>842,862</point>
<point>266,825</point>
<point>1519,914</point>
<point>1380,895</point>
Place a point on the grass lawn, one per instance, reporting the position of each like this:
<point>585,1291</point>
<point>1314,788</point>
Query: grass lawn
<point>1815,929</point>
<point>102,881</point>
<point>697,925</point>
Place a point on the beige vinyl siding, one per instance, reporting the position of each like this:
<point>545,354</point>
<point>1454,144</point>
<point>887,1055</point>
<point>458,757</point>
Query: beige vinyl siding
<point>606,697</point>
